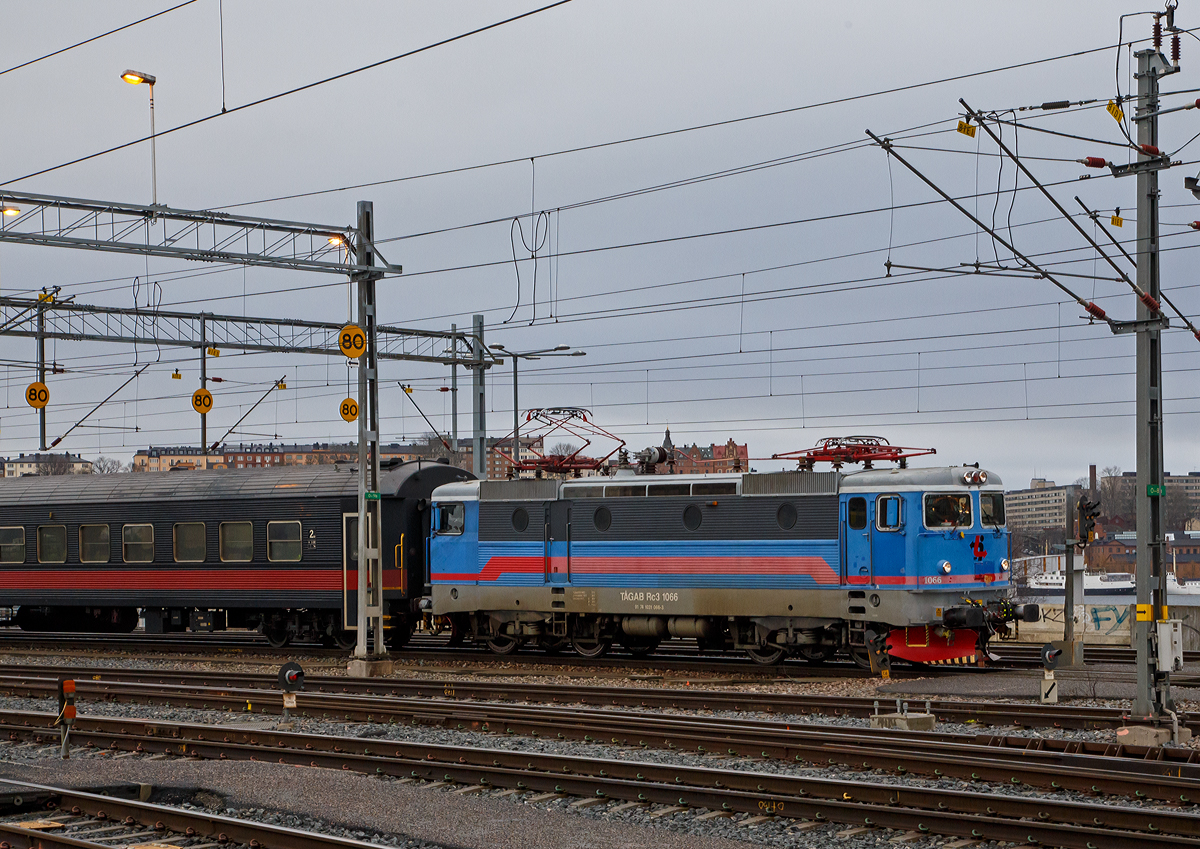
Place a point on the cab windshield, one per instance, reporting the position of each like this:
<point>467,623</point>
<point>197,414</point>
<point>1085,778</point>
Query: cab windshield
<point>991,508</point>
<point>947,510</point>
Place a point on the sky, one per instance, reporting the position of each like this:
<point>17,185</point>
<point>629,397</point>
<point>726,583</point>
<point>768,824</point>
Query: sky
<point>711,221</point>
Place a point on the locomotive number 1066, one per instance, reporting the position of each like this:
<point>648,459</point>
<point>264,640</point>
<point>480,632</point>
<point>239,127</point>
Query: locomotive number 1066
<point>641,595</point>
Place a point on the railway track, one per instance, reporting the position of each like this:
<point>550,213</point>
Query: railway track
<point>397,699</point>
<point>35,816</point>
<point>969,813</point>
<point>677,655</point>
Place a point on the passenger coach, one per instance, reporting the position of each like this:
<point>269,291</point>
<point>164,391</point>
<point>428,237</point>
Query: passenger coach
<point>274,549</point>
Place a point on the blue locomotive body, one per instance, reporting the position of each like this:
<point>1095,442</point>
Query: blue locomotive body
<point>801,563</point>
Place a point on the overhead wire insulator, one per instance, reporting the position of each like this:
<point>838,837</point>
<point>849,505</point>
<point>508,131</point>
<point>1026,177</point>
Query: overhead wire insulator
<point>1055,104</point>
<point>1175,49</point>
<point>1157,33</point>
<point>1093,161</point>
<point>1095,311</point>
<point>1149,150</point>
<point>1195,225</point>
<point>1150,303</point>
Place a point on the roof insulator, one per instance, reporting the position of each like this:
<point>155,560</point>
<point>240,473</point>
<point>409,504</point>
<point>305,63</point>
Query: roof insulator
<point>1093,161</point>
<point>1095,311</point>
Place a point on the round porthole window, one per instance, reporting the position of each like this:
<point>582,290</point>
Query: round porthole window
<point>602,518</point>
<point>786,516</point>
<point>692,517</point>
<point>520,520</point>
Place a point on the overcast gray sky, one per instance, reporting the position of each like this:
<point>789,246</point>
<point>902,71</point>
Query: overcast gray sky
<point>776,336</point>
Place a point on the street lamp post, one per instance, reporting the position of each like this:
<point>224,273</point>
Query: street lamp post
<point>137,78</point>
<point>556,351</point>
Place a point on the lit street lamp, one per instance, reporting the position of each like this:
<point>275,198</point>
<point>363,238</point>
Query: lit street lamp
<point>137,78</point>
<point>556,351</point>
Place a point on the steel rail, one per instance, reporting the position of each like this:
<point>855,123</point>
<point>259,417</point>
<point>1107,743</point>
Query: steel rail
<point>19,679</point>
<point>168,822</point>
<point>1006,760</point>
<point>951,812</point>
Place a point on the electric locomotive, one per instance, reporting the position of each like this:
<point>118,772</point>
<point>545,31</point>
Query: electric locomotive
<point>272,549</point>
<point>804,563</point>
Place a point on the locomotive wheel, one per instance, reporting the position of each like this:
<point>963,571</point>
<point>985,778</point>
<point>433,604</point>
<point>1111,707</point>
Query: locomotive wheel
<point>503,644</point>
<point>766,655</point>
<point>590,646</point>
<point>860,656</point>
<point>816,655</point>
<point>277,636</point>
<point>640,647</point>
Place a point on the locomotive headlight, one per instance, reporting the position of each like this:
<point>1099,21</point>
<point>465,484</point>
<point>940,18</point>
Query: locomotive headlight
<point>967,477</point>
<point>1004,565</point>
<point>980,477</point>
<point>945,567</point>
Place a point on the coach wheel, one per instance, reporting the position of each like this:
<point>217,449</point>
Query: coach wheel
<point>277,636</point>
<point>345,640</point>
<point>766,655</point>
<point>398,637</point>
<point>640,646</point>
<point>816,655</point>
<point>503,644</point>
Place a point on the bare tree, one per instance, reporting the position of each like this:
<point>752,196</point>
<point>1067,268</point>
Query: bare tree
<point>108,466</point>
<point>1116,495</point>
<point>55,464</point>
<point>1176,509</point>
<point>563,449</point>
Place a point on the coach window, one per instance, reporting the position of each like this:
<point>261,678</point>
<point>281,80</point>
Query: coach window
<point>137,542</point>
<point>52,544</point>
<point>236,541</point>
<point>451,519</point>
<point>12,545</point>
<point>856,513</point>
<point>887,512</point>
<point>189,542</point>
<point>94,544</point>
<point>283,541</point>
<point>947,510</point>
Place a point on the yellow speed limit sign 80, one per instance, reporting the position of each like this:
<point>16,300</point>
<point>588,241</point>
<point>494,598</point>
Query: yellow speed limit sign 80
<point>37,395</point>
<point>352,341</point>
<point>349,410</point>
<point>202,401</point>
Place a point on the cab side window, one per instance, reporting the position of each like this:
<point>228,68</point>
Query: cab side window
<point>451,518</point>
<point>856,513</point>
<point>887,512</point>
